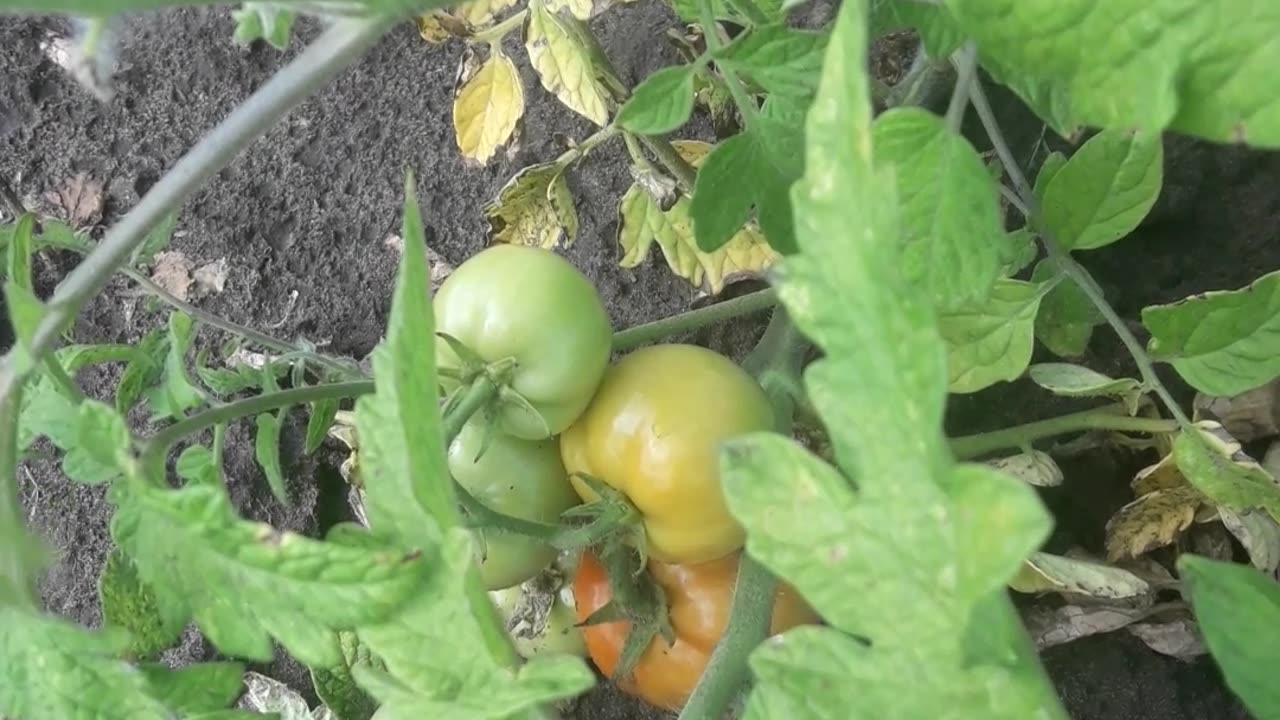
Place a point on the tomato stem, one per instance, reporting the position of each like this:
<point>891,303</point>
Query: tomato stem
<point>634,337</point>
<point>1112,417</point>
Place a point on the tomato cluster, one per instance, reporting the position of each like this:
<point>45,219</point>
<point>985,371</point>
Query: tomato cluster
<point>650,426</point>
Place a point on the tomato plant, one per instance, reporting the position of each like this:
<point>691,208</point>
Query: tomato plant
<point>698,598</point>
<point>654,430</point>
<point>521,478</point>
<point>532,306</point>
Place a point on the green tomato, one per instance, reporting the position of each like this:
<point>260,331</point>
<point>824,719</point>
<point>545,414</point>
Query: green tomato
<point>522,478</point>
<point>540,622</point>
<point>513,301</point>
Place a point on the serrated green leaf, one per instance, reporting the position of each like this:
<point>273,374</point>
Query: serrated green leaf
<point>1048,170</point>
<point>1212,461</point>
<point>878,548</point>
<point>1017,251</point>
<point>175,395</point>
<point>25,313</point>
<point>1223,342</point>
<point>267,21</point>
<point>229,381</point>
<point>938,30</point>
<point>197,465</point>
<point>563,64</point>
<point>190,546</point>
<point>19,250</point>
<point>777,58</point>
<point>144,371</point>
<point>1180,65</point>
<point>266,451</point>
<point>534,208</point>
<point>336,686</point>
<point>1070,380</point>
<point>950,215</point>
<point>54,670</point>
<point>660,104</point>
<point>1105,189</point>
<point>195,689</point>
<point>101,444</point>
<point>319,421</point>
<point>991,342</point>
<point>1066,318</point>
<point>157,239</point>
<point>1234,606</point>
<point>131,604</point>
<point>408,491</point>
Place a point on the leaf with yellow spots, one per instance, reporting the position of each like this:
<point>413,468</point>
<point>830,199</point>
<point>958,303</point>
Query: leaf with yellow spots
<point>479,13</point>
<point>1153,520</point>
<point>487,104</point>
<point>564,64</point>
<point>747,254</point>
<point>437,26</point>
<point>534,208</point>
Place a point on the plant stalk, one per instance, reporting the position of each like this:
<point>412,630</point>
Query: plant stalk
<point>17,587</point>
<point>711,31</point>
<point>499,31</point>
<point>671,159</point>
<point>1109,418</point>
<point>966,62</point>
<point>634,337</point>
<point>338,47</point>
<point>1073,269</point>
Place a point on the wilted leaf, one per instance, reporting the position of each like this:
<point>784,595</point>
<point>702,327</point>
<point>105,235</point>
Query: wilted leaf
<point>79,200</point>
<point>1163,475</point>
<point>992,341</point>
<point>1044,572</point>
<point>171,270</point>
<point>211,277</point>
<point>1177,638</point>
<point>1034,468</point>
<point>488,103</point>
<point>479,13</point>
<point>1221,342</point>
<point>1211,540</point>
<point>438,26</point>
<point>564,65</point>
<point>1251,415</point>
<point>534,208</point>
<point>1153,520</point>
<point>1259,533</point>
<point>1070,380</point>
<point>1212,461</point>
<point>747,254</point>
<point>1056,626</point>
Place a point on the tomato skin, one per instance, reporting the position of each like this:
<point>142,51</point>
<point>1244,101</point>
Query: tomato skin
<point>523,478</point>
<point>699,599</point>
<point>513,301</point>
<point>654,431</point>
<point>561,634</point>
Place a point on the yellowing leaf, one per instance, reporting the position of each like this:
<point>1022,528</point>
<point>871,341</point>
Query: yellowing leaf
<point>564,64</point>
<point>1153,520</point>
<point>641,222</point>
<point>693,151</point>
<point>438,26</point>
<point>534,208</point>
<point>479,13</point>
<point>487,106</point>
<point>1043,572</point>
<point>747,254</point>
<point>1164,475</point>
<point>581,9</point>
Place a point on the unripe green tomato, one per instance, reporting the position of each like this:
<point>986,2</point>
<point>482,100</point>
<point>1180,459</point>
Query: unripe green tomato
<point>540,623</point>
<point>513,301</point>
<point>522,478</point>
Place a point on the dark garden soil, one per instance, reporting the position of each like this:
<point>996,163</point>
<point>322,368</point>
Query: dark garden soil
<point>302,219</point>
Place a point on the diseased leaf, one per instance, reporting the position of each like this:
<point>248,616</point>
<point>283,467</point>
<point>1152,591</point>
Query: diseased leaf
<point>1213,462</point>
<point>991,342</point>
<point>1163,475</point>
<point>1173,64</point>
<point>1223,342</point>
<point>1104,190</point>
<point>479,13</point>
<point>131,604</point>
<point>747,254</point>
<point>488,103</point>
<point>267,21</point>
<point>1234,606</point>
<point>55,670</point>
<point>1044,572</point>
<point>779,59</point>
<point>1057,626</point>
<point>534,208</point>
<point>1070,380</point>
<point>190,546</point>
<point>1034,468</point>
<point>1067,316</point>
<point>1153,520</point>
<point>1178,638</point>
<point>563,64</point>
<point>938,30</point>
<point>660,104</point>
<point>1247,416</point>
<point>1259,533</point>
<point>952,229</point>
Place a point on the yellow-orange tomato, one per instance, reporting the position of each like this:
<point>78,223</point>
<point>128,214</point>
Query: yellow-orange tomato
<point>654,431</point>
<point>699,598</point>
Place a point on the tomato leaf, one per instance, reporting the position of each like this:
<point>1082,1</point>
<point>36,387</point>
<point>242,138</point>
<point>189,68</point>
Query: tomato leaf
<point>952,229</point>
<point>1154,520</point>
<point>175,395</point>
<point>991,342</point>
<point>1222,342</point>
<point>1069,380</point>
<point>534,208</point>
<point>938,30</point>
<point>1066,318</point>
<point>196,689</point>
<point>336,685</point>
<point>321,418</point>
<point>196,464</point>
<point>564,64</point>
<point>267,21</point>
<point>157,239</point>
<point>1048,169</point>
<point>779,59</point>
<point>142,372</point>
<point>131,604</point>
<point>266,451</point>
<point>19,250</point>
<point>1233,605</point>
<point>1151,64</point>
<point>56,670</point>
<point>738,175</point>
<point>488,103</point>
<point>660,104</point>
<point>1213,462</point>
<point>1258,532</point>
<point>1044,572</point>
<point>868,544</point>
<point>1105,189</point>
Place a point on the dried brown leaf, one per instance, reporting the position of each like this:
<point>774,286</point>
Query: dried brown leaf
<point>172,271</point>
<point>1177,638</point>
<point>1153,520</point>
<point>1057,626</point>
<point>78,201</point>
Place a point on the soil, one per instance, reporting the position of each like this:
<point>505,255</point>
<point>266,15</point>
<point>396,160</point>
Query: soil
<point>302,218</point>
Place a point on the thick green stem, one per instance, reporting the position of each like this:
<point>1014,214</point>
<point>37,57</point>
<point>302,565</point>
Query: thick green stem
<point>478,394</point>
<point>1112,418</point>
<point>338,47</point>
<point>966,62</point>
<point>634,337</point>
<point>17,571</point>
<point>1073,269</point>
